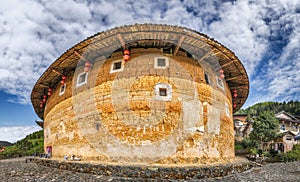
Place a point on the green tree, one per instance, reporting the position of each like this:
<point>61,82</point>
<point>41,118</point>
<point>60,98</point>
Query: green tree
<point>265,127</point>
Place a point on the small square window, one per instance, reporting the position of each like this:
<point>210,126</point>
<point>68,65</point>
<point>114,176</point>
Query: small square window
<point>81,79</point>
<point>207,80</point>
<point>62,89</point>
<point>161,63</point>
<point>116,67</point>
<point>220,83</point>
<point>163,92</point>
<point>289,137</point>
<point>282,127</point>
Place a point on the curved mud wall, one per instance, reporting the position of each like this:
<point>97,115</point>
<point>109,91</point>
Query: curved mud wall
<point>143,112</point>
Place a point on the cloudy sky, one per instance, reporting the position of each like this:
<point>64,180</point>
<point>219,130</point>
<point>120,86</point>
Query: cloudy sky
<point>264,34</point>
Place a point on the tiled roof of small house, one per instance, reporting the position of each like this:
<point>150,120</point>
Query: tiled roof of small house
<point>293,118</point>
<point>103,44</point>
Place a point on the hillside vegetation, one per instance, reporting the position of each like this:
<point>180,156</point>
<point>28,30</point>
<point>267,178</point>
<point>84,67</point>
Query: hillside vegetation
<point>292,107</point>
<point>31,144</point>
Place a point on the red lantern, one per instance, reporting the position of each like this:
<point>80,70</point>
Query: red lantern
<point>126,52</point>
<point>234,105</point>
<point>86,69</point>
<point>63,77</point>
<point>41,104</point>
<point>49,91</point>
<point>62,82</point>
<point>234,91</point>
<point>235,95</point>
<point>126,57</point>
<point>222,74</point>
<point>88,64</point>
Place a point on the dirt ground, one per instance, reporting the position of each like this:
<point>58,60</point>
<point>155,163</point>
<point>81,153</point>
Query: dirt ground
<point>19,169</point>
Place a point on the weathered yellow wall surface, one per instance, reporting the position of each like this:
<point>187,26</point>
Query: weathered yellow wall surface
<point>120,117</point>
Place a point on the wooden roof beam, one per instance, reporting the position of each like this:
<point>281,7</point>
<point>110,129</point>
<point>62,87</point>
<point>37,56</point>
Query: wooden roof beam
<point>237,87</point>
<point>121,41</point>
<point>233,78</point>
<point>43,85</point>
<point>178,45</point>
<point>77,54</point>
<point>228,63</point>
<point>205,55</point>
<point>57,72</point>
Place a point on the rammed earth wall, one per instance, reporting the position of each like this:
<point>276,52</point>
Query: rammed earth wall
<point>120,116</point>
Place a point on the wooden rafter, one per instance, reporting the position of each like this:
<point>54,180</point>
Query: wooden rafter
<point>43,85</point>
<point>77,54</point>
<point>237,87</point>
<point>208,53</point>
<point>233,78</point>
<point>57,72</point>
<point>178,45</point>
<point>121,40</point>
<point>228,63</point>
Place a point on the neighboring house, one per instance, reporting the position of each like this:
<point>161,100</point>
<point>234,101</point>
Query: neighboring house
<point>287,122</point>
<point>2,149</point>
<point>242,126</point>
<point>289,128</point>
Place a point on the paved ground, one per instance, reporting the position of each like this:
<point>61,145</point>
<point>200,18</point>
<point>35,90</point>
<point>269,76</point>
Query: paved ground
<point>19,170</point>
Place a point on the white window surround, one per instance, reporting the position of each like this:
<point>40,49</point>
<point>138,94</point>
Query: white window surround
<point>156,64</point>
<point>62,89</point>
<point>113,69</point>
<point>220,82</point>
<point>168,89</point>
<point>81,76</point>
<point>227,109</point>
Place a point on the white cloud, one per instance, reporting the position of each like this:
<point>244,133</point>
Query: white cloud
<point>15,133</point>
<point>242,29</point>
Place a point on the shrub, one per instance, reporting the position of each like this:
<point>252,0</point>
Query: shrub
<point>238,147</point>
<point>290,156</point>
<point>248,143</point>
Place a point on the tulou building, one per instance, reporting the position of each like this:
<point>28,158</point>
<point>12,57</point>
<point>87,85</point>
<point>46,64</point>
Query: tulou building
<point>142,93</point>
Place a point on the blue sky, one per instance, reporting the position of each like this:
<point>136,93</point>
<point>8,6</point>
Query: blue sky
<point>264,34</point>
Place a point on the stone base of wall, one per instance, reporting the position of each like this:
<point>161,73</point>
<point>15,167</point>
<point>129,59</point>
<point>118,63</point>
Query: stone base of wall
<point>150,171</point>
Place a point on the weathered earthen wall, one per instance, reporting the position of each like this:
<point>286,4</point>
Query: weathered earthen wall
<point>119,116</point>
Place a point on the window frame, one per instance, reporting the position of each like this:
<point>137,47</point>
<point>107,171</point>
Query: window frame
<point>289,137</point>
<point>282,127</point>
<point>167,87</point>
<point>85,81</point>
<point>227,110</point>
<point>112,70</point>
<point>220,82</point>
<point>156,66</point>
<point>61,86</point>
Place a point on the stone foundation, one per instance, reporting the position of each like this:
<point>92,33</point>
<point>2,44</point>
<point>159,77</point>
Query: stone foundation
<point>157,172</point>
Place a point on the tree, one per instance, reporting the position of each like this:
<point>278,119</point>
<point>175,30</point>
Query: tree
<point>265,127</point>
